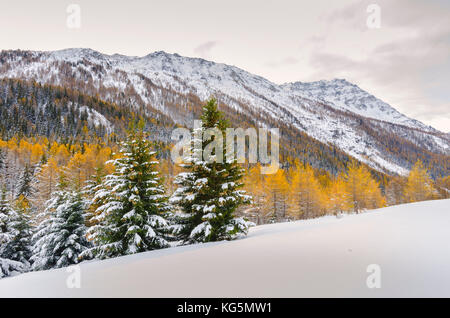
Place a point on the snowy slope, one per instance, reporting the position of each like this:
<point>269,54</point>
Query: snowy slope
<point>96,119</point>
<point>325,257</point>
<point>346,96</point>
<point>207,78</point>
<point>320,109</point>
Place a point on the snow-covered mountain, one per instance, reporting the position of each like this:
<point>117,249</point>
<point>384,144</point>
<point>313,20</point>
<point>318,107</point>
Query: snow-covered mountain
<point>336,113</point>
<point>346,96</point>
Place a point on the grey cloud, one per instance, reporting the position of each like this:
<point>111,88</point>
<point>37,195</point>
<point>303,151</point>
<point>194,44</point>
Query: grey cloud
<point>203,49</point>
<point>410,72</point>
<point>353,15</point>
<point>394,73</point>
<point>284,62</point>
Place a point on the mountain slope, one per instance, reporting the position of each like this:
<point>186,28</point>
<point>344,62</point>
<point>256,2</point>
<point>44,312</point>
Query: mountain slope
<point>335,113</point>
<point>324,257</point>
<point>31,109</point>
<point>346,96</point>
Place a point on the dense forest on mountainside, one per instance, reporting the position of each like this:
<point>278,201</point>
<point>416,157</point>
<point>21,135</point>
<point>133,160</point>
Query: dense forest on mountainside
<point>31,109</point>
<point>324,123</point>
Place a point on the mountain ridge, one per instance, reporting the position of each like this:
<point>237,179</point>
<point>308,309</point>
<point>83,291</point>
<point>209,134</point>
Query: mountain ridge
<point>82,52</point>
<point>328,111</point>
<point>75,54</point>
<point>341,81</point>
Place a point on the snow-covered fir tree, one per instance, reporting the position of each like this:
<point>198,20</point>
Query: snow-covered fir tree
<point>208,194</point>
<point>132,214</point>
<point>61,236</point>
<point>93,185</point>
<point>16,236</point>
<point>7,266</point>
<point>2,164</point>
<point>24,187</point>
<point>4,169</point>
<point>5,212</point>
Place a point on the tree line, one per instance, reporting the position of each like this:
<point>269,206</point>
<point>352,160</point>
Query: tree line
<point>123,212</point>
<point>302,192</point>
<point>62,203</point>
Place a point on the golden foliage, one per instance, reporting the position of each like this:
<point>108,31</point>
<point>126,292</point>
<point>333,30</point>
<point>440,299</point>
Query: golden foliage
<point>419,186</point>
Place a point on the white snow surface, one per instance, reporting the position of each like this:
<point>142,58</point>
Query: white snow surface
<point>346,96</point>
<point>325,257</point>
<point>97,119</point>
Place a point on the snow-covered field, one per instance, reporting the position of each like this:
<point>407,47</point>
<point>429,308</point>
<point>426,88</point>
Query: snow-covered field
<point>326,257</point>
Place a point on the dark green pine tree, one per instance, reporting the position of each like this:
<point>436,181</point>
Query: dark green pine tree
<point>94,184</point>
<point>18,246</point>
<point>2,160</point>
<point>25,183</point>
<point>3,166</point>
<point>210,192</point>
<point>132,214</point>
<point>61,237</point>
<point>7,266</point>
<point>5,212</point>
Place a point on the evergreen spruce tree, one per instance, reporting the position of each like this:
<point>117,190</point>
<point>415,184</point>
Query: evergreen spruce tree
<point>2,164</point>
<point>4,177</point>
<point>5,214</point>
<point>25,183</point>
<point>93,185</point>
<point>61,236</point>
<point>209,193</point>
<point>132,214</point>
<point>18,238</point>
<point>7,266</point>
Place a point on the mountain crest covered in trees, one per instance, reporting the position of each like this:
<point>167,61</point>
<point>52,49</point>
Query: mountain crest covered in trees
<point>329,120</point>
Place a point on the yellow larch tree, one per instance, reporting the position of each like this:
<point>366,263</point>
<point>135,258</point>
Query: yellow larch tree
<point>419,186</point>
<point>254,185</point>
<point>47,179</point>
<point>394,190</point>
<point>338,196</point>
<point>306,196</point>
<point>443,186</point>
<point>77,171</point>
<point>364,191</point>
<point>277,192</point>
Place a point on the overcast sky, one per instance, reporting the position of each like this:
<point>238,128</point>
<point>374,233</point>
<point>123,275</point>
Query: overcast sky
<point>405,62</point>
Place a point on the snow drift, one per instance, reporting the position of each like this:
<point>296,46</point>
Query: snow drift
<point>326,257</point>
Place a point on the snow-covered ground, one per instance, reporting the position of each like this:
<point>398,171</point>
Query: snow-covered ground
<point>326,257</point>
